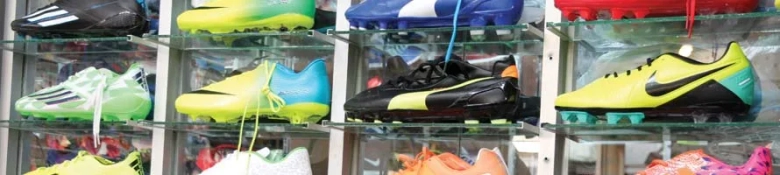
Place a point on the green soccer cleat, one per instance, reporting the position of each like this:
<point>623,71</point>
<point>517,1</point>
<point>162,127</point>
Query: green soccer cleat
<point>89,92</point>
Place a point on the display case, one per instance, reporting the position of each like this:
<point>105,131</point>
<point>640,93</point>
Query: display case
<point>188,92</point>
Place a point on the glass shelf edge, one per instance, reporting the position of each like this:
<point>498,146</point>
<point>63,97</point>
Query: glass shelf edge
<point>664,19</point>
<point>440,29</point>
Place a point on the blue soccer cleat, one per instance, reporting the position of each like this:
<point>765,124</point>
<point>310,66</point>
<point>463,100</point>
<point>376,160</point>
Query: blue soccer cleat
<point>405,14</point>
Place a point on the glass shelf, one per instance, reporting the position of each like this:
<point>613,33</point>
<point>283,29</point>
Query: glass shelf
<point>601,35</point>
<point>488,35</point>
<point>272,41</point>
<point>736,131</point>
<point>76,128</point>
<point>77,46</point>
<point>437,130</point>
<point>265,130</point>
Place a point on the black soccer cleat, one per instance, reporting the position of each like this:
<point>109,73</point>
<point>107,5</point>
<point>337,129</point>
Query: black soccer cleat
<point>84,18</point>
<point>439,91</point>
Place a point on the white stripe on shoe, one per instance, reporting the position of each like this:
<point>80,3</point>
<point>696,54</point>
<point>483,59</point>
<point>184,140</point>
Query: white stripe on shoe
<point>419,8</point>
<point>58,21</point>
<point>42,11</point>
<point>48,15</point>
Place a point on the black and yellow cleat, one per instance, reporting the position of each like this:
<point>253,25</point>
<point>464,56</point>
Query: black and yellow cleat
<point>669,87</point>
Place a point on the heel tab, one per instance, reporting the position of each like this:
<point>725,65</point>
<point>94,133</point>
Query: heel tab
<point>315,65</point>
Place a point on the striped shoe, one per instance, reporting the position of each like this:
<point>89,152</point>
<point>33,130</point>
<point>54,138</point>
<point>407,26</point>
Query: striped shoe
<point>90,92</point>
<point>84,18</point>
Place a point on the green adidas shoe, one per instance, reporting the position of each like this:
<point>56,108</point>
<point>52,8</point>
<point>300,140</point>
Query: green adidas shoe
<point>114,97</point>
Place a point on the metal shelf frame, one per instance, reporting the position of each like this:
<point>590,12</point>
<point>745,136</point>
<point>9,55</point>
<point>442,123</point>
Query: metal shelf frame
<point>347,63</point>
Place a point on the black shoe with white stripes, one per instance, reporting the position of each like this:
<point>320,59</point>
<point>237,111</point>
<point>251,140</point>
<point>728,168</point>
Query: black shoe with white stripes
<point>84,18</point>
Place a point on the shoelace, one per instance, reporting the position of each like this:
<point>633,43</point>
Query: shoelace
<point>97,102</point>
<point>628,72</point>
<point>274,101</point>
<point>429,69</point>
<point>416,163</point>
<point>690,12</point>
<point>454,31</point>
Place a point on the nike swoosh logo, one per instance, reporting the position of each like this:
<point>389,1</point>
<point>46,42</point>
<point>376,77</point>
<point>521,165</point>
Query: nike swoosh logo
<point>203,91</point>
<point>206,8</point>
<point>372,162</point>
<point>654,88</point>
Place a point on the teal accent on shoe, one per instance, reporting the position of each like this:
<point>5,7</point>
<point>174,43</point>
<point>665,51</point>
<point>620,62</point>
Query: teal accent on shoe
<point>578,116</point>
<point>634,117</point>
<point>741,84</point>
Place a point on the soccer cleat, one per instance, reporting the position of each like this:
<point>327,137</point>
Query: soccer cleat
<point>588,9</point>
<point>669,85</point>
<point>114,97</point>
<point>86,164</point>
<point>86,18</point>
<point>263,162</point>
<point>696,162</point>
<point>226,16</point>
<point>208,157</point>
<point>406,14</point>
<point>437,91</point>
<point>271,90</point>
<point>427,163</point>
<point>618,9</point>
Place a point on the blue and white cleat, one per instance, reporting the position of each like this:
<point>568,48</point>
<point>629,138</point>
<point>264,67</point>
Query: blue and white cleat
<point>406,14</point>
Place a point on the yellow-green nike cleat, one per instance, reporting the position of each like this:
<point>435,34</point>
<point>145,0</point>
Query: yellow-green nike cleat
<point>225,16</point>
<point>86,164</point>
<point>668,86</point>
<point>271,90</point>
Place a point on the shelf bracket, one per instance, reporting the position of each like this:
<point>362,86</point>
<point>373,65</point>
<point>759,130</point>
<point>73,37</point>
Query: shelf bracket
<point>142,41</point>
<point>322,37</point>
<point>558,32</point>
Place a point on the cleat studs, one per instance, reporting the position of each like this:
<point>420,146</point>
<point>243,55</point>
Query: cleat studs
<point>402,25</point>
<point>499,121</point>
<point>725,118</point>
<point>358,120</point>
<point>501,32</point>
<point>641,14</point>
<point>283,29</point>
<point>477,32</point>
<point>362,25</point>
<point>613,118</point>
<point>636,118</point>
<point>397,121</point>
<point>471,122</point>
<point>617,14</point>
<point>588,15</point>
<point>700,117</point>
<point>586,118</point>
<point>382,25</point>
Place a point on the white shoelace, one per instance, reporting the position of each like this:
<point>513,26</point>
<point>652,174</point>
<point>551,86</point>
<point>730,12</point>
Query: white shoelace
<point>97,102</point>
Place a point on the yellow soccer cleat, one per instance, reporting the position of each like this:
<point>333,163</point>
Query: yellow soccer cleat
<point>271,90</point>
<point>86,164</point>
<point>225,16</point>
<point>670,85</point>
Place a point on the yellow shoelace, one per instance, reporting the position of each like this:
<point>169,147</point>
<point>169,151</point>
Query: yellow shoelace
<point>275,102</point>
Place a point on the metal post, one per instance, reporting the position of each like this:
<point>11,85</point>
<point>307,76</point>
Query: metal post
<point>164,142</point>
<point>551,158</point>
<point>11,88</point>
<point>342,145</point>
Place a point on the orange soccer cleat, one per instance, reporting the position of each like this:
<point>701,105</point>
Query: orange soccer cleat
<point>427,163</point>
